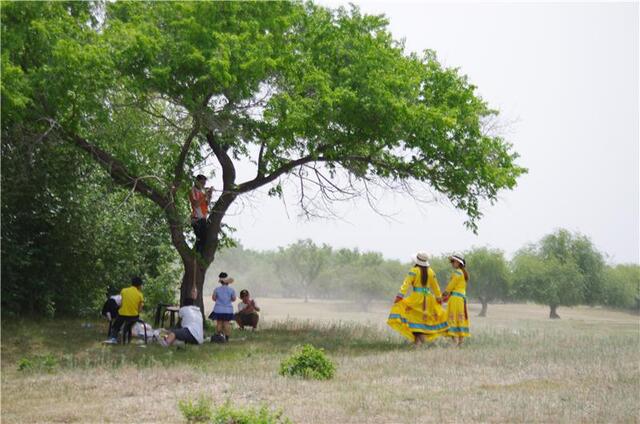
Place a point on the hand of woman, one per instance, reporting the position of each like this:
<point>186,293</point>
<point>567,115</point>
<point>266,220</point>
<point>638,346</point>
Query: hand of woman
<point>397,299</point>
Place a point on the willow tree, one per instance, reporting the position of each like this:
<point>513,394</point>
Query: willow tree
<point>152,91</point>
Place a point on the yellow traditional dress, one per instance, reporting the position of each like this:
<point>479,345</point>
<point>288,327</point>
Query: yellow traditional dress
<point>457,315</point>
<point>419,312</point>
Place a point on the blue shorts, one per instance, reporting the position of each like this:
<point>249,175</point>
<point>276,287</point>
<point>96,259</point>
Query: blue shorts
<point>217,316</point>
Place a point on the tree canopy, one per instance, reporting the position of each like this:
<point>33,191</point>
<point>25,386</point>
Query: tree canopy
<point>491,277</point>
<point>154,91</point>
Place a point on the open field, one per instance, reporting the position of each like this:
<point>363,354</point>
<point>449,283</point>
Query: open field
<point>519,366</point>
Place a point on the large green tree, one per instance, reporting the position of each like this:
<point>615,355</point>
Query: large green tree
<point>300,264</point>
<point>151,91</point>
<point>490,278</point>
<point>565,246</point>
<point>547,280</point>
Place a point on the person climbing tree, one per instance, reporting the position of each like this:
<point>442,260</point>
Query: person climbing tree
<point>200,197</point>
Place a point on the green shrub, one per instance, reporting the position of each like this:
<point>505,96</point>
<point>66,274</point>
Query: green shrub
<point>226,414</point>
<point>196,412</point>
<point>201,411</point>
<point>308,362</point>
<point>47,363</point>
<point>25,364</point>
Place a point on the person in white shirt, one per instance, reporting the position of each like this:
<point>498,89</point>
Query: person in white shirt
<point>111,306</point>
<point>191,330</point>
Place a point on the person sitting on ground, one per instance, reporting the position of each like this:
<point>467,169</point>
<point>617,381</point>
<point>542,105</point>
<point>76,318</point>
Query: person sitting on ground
<point>129,312</point>
<point>247,311</point>
<point>191,329</point>
<point>222,313</point>
<point>111,306</point>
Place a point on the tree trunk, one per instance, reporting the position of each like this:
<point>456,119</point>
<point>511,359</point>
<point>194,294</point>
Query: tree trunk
<point>485,304</point>
<point>193,277</point>
<point>553,314</point>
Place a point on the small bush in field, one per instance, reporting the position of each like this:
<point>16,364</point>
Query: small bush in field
<point>47,363</point>
<point>308,362</point>
<point>201,411</point>
<point>196,412</point>
<point>226,414</point>
<point>25,364</point>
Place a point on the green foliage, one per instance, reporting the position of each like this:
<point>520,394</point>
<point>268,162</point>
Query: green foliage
<point>308,362</point>
<point>300,264</point>
<point>25,364</point>
<point>622,286</point>
<point>199,411</point>
<point>547,281</point>
<point>44,363</point>
<point>491,276</point>
<point>66,239</point>
<point>565,247</point>
<point>226,414</point>
<point>340,91</point>
<point>202,411</point>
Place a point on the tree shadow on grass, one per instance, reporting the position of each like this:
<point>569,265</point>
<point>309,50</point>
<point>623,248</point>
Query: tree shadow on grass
<point>77,344</point>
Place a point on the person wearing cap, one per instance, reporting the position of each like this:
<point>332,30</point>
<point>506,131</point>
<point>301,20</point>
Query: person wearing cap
<point>419,316</point>
<point>200,197</point>
<point>222,313</point>
<point>130,308</point>
<point>456,294</point>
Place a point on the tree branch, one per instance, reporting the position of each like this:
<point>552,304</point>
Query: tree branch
<point>259,181</point>
<point>123,177</point>
<point>179,169</point>
<point>228,169</point>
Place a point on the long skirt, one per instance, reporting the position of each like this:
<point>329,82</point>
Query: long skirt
<point>457,316</point>
<point>408,317</point>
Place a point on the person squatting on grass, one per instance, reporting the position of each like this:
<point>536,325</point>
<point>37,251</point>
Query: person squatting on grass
<point>191,329</point>
<point>129,312</point>
<point>247,315</point>
<point>222,313</point>
<point>456,294</point>
<point>419,316</point>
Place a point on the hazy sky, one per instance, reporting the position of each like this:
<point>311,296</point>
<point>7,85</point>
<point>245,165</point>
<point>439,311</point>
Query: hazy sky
<point>565,78</point>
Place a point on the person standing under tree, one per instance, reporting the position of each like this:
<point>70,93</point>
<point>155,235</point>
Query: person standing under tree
<point>456,294</point>
<point>222,313</point>
<point>200,197</point>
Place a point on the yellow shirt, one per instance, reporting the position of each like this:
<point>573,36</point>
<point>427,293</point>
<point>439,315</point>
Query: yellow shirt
<point>131,300</point>
<point>457,283</point>
<point>413,279</point>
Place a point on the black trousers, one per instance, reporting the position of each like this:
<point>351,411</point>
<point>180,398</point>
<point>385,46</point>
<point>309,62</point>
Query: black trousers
<point>200,230</point>
<point>126,320</point>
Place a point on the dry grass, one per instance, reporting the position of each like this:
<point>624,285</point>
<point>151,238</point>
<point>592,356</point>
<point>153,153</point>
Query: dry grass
<point>518,367</point>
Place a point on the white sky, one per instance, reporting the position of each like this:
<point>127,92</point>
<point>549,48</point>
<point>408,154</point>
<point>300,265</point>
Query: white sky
<point>565,78</point>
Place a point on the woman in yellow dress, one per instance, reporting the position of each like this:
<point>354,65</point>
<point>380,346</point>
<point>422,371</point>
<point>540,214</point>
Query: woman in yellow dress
<point>419,316</point>
<point>456,294</point>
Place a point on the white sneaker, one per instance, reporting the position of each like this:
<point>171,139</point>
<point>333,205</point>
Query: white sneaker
<point>111,340</point>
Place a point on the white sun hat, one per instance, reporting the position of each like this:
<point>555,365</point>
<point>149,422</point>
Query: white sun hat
<point>422,259</point>
<point>459,259</point>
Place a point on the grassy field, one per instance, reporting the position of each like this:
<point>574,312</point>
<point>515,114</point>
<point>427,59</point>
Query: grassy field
<point>519,366</point>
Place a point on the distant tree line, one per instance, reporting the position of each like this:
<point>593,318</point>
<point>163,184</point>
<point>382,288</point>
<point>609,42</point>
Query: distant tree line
<point>562,269</point>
